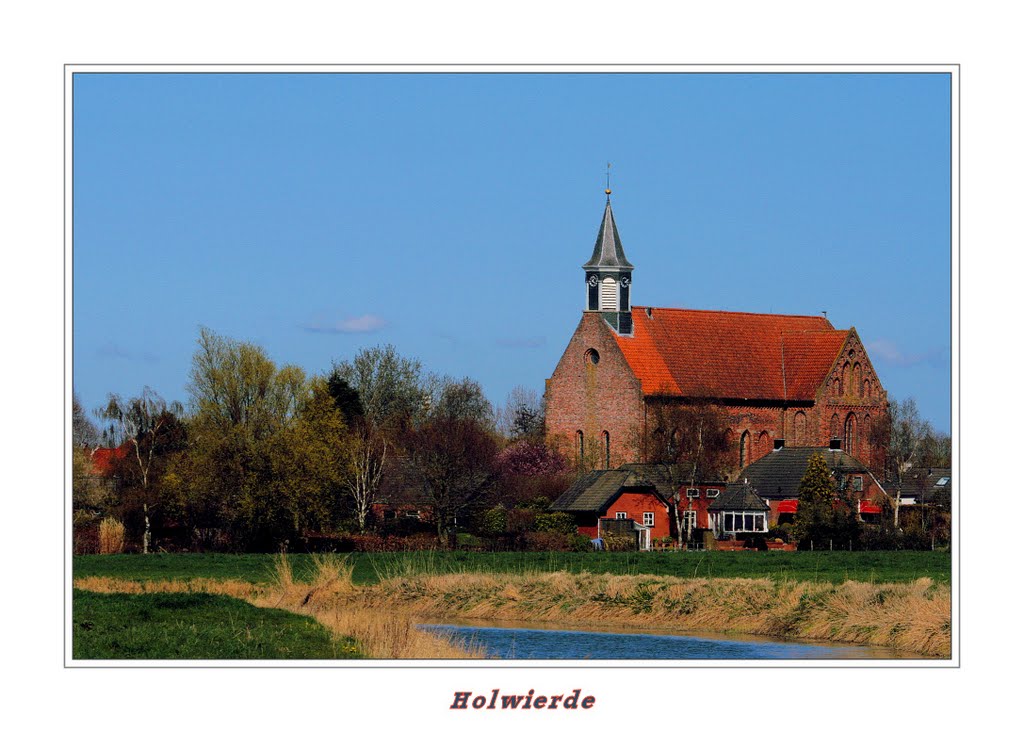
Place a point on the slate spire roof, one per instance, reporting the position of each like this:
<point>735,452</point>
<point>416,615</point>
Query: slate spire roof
<point>608,251</point>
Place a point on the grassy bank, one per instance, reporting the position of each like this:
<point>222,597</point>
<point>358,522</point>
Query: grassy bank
<point>325,597</point>
<point>912,617</point>
<point>195,626</point>
<point>830,567</point>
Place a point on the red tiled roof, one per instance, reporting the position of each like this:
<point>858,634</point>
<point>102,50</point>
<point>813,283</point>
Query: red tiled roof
<point>103,458</point>
<point>730,355</point>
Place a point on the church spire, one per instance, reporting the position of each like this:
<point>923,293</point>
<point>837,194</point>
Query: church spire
<point>608,251</point>
<point>609,275</point>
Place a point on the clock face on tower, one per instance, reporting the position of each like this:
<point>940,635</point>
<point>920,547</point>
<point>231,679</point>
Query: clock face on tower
<point>592,281</point>
<point>625,281</point>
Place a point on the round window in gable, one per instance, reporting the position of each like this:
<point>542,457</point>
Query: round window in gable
<point>592,356</point>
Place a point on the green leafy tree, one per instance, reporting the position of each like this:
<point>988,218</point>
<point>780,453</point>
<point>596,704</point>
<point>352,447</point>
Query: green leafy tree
<point>815,514</point>
<point>247,471</point>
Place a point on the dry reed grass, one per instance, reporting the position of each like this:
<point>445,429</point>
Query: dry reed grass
<point>111,536</point>
<point>912,617</point>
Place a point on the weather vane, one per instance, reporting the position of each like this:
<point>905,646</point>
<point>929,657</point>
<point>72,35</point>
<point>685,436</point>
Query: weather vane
<point>608,181</point>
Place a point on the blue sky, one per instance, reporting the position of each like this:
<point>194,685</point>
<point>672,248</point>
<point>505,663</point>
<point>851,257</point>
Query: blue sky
<point>449,214</point>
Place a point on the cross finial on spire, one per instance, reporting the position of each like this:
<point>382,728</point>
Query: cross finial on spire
<point>608,182</point>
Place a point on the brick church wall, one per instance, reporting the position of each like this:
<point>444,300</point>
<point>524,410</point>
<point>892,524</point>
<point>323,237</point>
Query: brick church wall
<point>594,398</point>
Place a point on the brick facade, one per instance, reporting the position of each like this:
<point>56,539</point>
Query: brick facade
<point>605,402</point>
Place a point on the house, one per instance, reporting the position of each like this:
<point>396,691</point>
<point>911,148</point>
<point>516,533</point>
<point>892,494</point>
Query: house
<point>923,486</point>
<point>776,478</point>
<point>642,496</point>
<point>795,378</point>
<point>738,510</point>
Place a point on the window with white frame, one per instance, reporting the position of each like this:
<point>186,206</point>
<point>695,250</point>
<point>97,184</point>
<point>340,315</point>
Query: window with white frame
<point>734,522</point>
<point>648,518</point>
<point>858,482</point>
<point>693,492</point>
<point>713,492</point>
<point>689,520</point>
<point>621,515</point>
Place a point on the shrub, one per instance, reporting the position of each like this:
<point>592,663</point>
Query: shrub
<point>556,522</point>
<point>111,536</point>
<point>619,544</point>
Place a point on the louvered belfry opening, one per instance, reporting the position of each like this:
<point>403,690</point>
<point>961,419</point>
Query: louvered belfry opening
<point>609,294</point>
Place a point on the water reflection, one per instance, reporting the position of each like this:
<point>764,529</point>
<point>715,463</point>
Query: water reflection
<point>522,643</point>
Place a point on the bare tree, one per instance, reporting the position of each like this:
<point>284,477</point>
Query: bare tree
<point>905,436</point>
<point>83,431</point>
<point>140,422</point>
<point>690,438</point>
<point>365,453</point>
<point>455,462</point>
<point>523,414</point>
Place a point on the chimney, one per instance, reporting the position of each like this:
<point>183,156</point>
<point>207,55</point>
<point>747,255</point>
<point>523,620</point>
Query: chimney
<point>779,444</point>
<point>835,444</point>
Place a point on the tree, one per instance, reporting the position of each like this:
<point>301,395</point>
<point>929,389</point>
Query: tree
<point>391,388</point>
<point>815,513</point>
<point>143,422</point>
<point>245,472</point>
<point>522,417</point>
<point>531,469</point>
<point>346,399</point>
<point>690,437</point>
<point>459,400</point>
<point>454,461</point>
<point>83,431</point>
<point>904,435</point>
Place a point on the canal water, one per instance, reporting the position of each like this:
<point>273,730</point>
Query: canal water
<point>545,643</point>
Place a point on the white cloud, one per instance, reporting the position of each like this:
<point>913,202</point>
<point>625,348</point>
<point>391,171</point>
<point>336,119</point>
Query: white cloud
<point>357,324</point>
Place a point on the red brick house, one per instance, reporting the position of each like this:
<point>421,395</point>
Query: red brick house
<point>776,478</point>
<point>775,377</point>
<point>645,496</point>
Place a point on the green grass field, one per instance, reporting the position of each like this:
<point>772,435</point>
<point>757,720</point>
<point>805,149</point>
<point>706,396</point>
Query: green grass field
<point>835,567</point>
<point>195,626</point>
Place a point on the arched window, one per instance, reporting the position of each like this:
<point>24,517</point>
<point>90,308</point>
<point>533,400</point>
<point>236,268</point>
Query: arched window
<point>800,428</point>
<point>673,441</point>
<point>607,449</point>
<point>744,449</point>
<point>833,428</point>
<point>579,446</point>
<point>591,357</point>
<point>857,380</point>
<point>850,433</point>
<point>868,387</point>
<point>762,443</point>
<point>843,378</point>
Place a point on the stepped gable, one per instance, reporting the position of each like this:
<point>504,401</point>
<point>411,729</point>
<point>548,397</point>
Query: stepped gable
<point>726,355</point>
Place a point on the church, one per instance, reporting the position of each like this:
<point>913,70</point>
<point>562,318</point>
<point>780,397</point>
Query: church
<point>792,380</point>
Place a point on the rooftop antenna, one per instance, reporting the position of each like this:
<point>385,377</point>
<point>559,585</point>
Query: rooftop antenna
<point>608,182</point>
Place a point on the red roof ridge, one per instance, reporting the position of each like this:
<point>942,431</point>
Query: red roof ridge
<point>730,312</point>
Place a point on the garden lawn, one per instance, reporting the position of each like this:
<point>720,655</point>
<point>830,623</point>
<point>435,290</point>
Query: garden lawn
<point>195,626</point>
<point>821,566</point>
